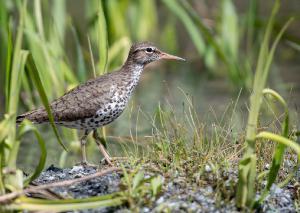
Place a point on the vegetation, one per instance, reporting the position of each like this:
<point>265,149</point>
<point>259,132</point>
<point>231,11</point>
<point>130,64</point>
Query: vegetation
<point>247,165</point>
<point>45,52</point>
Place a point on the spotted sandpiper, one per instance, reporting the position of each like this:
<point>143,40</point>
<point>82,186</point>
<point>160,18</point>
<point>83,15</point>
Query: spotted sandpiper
<point>99,101</point>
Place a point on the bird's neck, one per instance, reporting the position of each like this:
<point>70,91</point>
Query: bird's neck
<point>134,70</point>
<point>131,76</point>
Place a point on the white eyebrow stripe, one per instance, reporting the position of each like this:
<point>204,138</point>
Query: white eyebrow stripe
<point>144,48</point>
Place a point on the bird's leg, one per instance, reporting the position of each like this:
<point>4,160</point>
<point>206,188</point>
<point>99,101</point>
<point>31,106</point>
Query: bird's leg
<point>83,150</point>
<point>99,143</point>
<point>103,142</point>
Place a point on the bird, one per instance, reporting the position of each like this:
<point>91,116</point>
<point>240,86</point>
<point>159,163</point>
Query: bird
<point>99,101</point>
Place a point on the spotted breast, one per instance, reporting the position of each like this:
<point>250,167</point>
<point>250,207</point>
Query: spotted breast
<point>111,106</point>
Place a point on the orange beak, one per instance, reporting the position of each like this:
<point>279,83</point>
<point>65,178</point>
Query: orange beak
<point>164,55</point>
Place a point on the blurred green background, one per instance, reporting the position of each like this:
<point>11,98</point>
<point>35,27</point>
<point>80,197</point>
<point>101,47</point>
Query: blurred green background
<point>219,38</point>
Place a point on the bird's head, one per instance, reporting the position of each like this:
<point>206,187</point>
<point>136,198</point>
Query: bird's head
<point>144,53</point>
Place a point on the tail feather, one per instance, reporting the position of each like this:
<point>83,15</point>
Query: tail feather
<point>20,118</point>
<point>35,116</point>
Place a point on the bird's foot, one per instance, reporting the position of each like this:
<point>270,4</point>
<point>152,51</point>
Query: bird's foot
<point>86,164</point>
<point>112,161</point>
<point>107,161</point>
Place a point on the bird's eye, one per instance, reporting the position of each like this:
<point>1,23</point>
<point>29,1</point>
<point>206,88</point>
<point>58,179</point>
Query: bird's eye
<point>149,50</point>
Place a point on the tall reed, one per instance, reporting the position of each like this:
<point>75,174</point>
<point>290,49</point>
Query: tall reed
<point>247,166</point>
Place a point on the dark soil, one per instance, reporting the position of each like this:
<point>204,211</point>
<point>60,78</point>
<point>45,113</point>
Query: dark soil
<point>177,195</point>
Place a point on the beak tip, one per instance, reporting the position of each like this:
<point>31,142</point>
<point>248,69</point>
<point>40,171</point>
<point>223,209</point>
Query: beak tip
<point>172,57</point>
<point>180,59</point>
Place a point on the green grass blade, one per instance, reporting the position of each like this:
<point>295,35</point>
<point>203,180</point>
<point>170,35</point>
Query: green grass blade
<point>251,17</point>
<point>9,53</point>
<point>24,203</point>
<point>34,75</point>
<point>4,131</point>
<point>294,45</point>
<point>273,48</point>
<point>216,47</point>
<point>205,32</point>
<point>278,97</point>
<point>11,151</point>
<point>72,200</point>
<point>280,148</point>
<point>59,16</point>
<point>280,139</point>
<point>144,20</point>
<point>26,88</point>
<point>81,68</point>
<point>279,152</point>
<point>259,82</point>
<point>14,71</point>
<point>16,78</point>
<point>192,29</point>
<point>25,127</point>
<point>38,17</point>
<point>229,29</point>
<point>246,187</point>
<point>102,39</point>
<point>137,180</point>
<point>117,50</point>
<point>117,26</point>
<point>68,74</point>
<point>4,127</point>
<point>230,39</point>
<point>46,51</point>
<point>2,162</point>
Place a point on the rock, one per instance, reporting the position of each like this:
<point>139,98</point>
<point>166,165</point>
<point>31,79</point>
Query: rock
<point>160,200</point>
<point>76,169</point>
<point>54,169</point>
<point>207,168</point>
<point>279,200</point>
<point>178,195</point>
<point>102,185</point>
